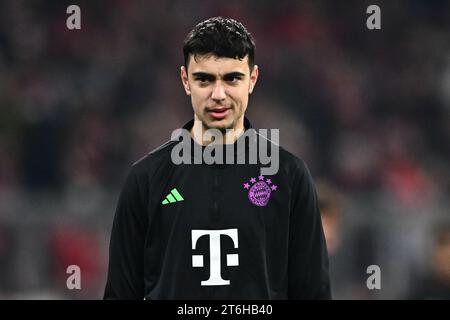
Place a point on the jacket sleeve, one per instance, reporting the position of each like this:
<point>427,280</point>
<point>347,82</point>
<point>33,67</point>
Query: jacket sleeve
<point>308,257</point>
<point>126,251</point>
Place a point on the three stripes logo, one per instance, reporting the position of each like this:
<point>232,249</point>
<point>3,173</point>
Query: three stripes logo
<point>173,196</point>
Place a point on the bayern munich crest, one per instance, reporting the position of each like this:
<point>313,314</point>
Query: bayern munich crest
<point>259,191</point>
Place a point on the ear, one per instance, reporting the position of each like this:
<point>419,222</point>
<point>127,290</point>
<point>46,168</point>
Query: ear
<point>253,78</point>
<point>184,80</point>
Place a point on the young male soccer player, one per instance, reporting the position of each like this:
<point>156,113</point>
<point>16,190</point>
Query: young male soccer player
<point>220,230</point>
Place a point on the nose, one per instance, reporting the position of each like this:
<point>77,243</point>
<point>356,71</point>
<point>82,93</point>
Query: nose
<point>218,92</point>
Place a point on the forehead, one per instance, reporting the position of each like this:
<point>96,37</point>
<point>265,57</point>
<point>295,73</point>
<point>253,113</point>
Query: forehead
<point>217,65</point>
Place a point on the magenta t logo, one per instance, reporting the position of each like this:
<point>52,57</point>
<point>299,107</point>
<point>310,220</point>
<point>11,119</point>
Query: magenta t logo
<point>215,277</point>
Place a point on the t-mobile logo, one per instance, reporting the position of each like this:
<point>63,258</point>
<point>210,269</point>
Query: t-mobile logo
<point>215,277</point>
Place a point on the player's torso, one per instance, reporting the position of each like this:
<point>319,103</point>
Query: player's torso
<point>217,231</point>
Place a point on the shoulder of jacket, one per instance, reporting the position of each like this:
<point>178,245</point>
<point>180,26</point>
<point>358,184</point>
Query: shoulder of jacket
<point>289,163</point>
<point>154,158</point>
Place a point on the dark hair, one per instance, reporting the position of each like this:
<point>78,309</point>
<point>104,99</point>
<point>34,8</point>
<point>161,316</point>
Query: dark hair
<point>222,37</point>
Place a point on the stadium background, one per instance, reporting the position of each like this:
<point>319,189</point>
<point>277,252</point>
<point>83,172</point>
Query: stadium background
<point>369,111</point>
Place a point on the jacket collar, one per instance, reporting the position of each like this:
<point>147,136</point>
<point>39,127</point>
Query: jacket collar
<point>249,131</point>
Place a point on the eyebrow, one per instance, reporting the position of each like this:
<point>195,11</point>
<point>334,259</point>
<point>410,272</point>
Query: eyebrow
<point>210,76</point>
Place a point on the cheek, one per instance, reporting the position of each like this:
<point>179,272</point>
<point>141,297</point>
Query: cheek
<point>240,96</point>
<point>199,97</point>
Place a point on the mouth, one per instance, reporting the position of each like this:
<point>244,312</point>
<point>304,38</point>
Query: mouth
<point>219,112</point>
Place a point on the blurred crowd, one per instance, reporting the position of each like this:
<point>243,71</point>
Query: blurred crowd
<point>369,112</point>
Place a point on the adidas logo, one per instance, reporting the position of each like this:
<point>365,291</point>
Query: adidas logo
<point>173,196</point>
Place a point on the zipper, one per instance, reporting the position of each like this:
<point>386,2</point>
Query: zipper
<point>216,194</point>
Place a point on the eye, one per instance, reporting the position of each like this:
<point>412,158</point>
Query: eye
<point>233,79</point>
<point>203,81</point>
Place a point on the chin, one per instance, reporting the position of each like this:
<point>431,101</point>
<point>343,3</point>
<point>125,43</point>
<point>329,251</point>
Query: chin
<point>221,125</point>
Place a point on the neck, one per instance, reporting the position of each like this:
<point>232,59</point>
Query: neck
<point>228,136</point>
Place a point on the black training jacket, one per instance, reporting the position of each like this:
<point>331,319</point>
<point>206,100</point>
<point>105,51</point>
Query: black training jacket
<point>217,231</point>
